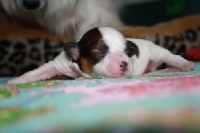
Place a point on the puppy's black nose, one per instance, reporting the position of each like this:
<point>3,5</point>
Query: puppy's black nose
<point>31,4</point>
<point>124,66</point>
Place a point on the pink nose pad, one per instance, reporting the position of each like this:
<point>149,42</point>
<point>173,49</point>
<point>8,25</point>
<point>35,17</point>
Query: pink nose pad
<point>119,65</point>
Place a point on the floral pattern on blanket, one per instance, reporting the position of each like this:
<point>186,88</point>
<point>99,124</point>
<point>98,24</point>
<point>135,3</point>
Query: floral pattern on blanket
<point>85,105</point>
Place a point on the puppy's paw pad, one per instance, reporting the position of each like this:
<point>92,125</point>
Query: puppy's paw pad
<point>189,66</point>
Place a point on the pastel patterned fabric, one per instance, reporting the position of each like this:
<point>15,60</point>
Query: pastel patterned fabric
<point>160,101</point>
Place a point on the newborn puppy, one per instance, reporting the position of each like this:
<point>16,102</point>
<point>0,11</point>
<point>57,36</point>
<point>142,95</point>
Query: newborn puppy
<point>62,16</point>
<point>104,53</point>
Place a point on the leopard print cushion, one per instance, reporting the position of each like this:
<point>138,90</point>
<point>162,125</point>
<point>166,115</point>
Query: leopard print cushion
<point>178,44</point>
<point>20,56</point>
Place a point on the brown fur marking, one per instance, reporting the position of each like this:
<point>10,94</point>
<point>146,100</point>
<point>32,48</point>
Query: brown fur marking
<point>85,65</point>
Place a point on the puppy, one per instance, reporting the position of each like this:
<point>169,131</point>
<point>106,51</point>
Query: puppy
<point>63,16</point>
<point>104,53</point>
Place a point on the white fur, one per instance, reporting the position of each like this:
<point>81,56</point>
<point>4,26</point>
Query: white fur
<point>114,39</point>
<point>62,16</point>
<point>139,64</point>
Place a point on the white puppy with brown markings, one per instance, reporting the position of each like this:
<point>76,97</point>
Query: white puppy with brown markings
<point>104,53</point>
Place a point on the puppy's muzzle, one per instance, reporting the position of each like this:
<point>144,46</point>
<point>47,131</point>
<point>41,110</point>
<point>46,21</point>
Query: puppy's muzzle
<point>31,4</point>
<point>119,65</point>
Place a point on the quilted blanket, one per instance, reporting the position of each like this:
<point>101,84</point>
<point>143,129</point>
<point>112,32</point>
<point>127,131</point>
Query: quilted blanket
<point>155,102</point>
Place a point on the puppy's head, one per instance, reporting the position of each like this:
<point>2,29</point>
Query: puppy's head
<point>102,52</point>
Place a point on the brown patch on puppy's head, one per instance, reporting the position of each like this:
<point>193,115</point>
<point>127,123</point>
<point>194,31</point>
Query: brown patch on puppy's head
<point>92,49</point>
<point>87,52</point>
<point>92,42</point>
<point>131,49</point>
<point>85,66</point>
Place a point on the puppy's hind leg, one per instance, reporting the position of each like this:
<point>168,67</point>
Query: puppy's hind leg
<point>44,72</point>
<point>159,54</point>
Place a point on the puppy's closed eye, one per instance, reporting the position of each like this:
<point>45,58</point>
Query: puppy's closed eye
<point>98,53</point>
<point>131,49</point>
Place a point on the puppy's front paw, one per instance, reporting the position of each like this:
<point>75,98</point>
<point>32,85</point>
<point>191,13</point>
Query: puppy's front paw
<point>15,81</point>
<point>189,66</point>
<point>12,82</point>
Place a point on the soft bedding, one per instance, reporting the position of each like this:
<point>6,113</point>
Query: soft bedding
<point>167,100</point>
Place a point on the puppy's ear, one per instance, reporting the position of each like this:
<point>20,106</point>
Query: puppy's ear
<point>71,50</point>
<point>131,49</point>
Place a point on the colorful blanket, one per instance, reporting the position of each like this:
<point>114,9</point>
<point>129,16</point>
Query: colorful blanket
<point>154,102</point>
